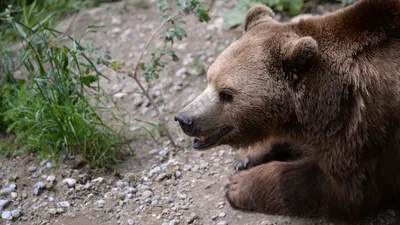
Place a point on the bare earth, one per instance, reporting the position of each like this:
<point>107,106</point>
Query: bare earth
<point>162,185</point>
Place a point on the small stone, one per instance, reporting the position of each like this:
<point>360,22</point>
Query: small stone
<point>70,182</point>
<point>100,203</point>
<point>51,199</point>
<point>32,169</point>
<point>131,222</point>
<point>16,213</point>
<point>221,215</point>
<point>192,218</point>
<point>8,190</point>
<point>154,171</point>
<point>51,178</point>
<point>38,186</point>
<point>63,204</point>
<point>60,210</point>
<point>263,222</point>
<point>98,180</point>
<point>130,190</point>
<point>154,151</point>
<point>52,211</point>
<point>4,204</point>
<point>120,183</point>
<point>14,195</point>
<point>147,194</point>
<point>178,174</point>
<point>181,72</point>
<point>222,223</point>
<point>6,215</point>
<point>173,222</point>
<point>161,177</point>
<point>116,30</point>
<point>49,165</point>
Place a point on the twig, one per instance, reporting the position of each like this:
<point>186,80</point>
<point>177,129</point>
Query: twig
<point>150,40</point>
<point>143,89</point>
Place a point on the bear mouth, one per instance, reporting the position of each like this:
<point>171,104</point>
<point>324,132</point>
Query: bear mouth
<point>206,142</point>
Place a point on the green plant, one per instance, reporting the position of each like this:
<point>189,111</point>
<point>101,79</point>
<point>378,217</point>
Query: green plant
<point>34,12</point>
<point>51,113</point>
<point>236,16</point>
<point>173,12</point>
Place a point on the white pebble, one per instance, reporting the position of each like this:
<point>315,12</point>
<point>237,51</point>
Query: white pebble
<point>6,215</point>
<point>16,213</point>
<point>69,181</point>
<point>63,204</point>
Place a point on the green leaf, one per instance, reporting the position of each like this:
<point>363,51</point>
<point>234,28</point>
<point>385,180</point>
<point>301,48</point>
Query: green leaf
<point>88,80</point>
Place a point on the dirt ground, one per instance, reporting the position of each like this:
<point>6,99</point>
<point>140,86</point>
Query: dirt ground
<point>161,185</point>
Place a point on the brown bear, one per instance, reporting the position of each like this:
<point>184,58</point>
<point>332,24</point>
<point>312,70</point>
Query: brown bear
<point>317,102</point>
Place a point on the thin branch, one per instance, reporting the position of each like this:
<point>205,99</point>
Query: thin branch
<point>149,41</point>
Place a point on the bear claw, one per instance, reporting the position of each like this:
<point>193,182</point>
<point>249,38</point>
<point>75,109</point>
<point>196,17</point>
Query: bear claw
<point>240,163</point>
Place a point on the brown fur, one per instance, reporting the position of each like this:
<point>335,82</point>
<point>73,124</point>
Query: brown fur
<point>330,84</point>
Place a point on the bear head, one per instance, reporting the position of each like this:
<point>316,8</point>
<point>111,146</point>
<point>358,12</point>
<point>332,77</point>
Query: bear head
<point>251,85</point>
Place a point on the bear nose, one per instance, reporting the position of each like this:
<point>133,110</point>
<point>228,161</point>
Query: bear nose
<point>184,121</point>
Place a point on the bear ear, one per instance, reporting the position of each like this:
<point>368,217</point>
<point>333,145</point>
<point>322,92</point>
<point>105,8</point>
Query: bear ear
<point>298,56</point>
<point>257,14</point>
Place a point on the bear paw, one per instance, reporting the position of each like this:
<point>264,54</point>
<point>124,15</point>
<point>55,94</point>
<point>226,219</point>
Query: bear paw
<point>239,191</point>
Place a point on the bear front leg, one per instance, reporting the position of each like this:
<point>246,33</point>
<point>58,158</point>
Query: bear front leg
<point>268,152</point>
<point>297,188</point>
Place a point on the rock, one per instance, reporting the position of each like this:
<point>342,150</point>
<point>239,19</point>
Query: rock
<point>8,190</point>
<point>130,190</point>
<point>264,222</point>
<point>60,210</point>
<point>38,186</point>
<point>173,222</point>
<point>116,30</point>
<point>51,178</point>
<point>161,177</point>
<point>131,222</point>
<point>98,180</point>
<point>120,183</point>
<point>221,215</point>
<point>16,213</point>
<point>147,194</point>
<point>63,204</point>
<point>178,174</point>
<point>154,171</point>
<point>181,72</point>
<point>6,215</point>
<point>14,195</point>
<point>52,211</point>
<point>32,169</point>
<point>164,152</point>
<point>100,203</point>
<point>4,204</point>
<point>49,165</point>
<point>222,223</point>
<point>191,218</point>
<point>154,151</point>
<point>70,182</point>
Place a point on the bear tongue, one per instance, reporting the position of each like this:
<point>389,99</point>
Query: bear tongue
<point>203,138</point>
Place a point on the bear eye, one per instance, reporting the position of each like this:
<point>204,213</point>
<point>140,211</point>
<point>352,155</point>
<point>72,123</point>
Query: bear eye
<point>225,97</point>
